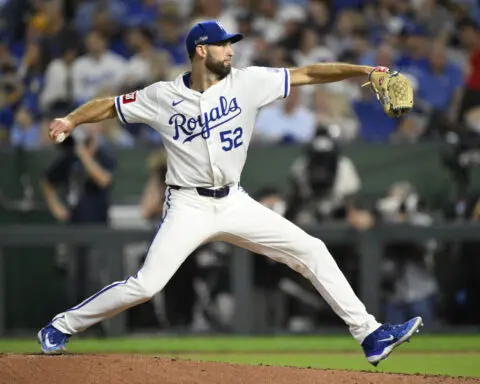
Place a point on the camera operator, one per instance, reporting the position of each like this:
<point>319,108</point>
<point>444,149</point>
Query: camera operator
<point>324,183</point>
<point>461,285</point>
<point>409,280</point>
<point>85,173</point>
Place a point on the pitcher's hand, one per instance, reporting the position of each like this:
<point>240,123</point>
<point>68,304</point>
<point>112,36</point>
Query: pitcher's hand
<point>58,126</point>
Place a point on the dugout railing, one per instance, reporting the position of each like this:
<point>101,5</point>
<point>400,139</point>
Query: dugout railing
<point>110,244</point>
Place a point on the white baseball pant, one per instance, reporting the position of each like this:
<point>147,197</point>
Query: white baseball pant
<point>191,220</point>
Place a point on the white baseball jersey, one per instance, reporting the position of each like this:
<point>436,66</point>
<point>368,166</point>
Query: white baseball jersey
<point>206,135</point>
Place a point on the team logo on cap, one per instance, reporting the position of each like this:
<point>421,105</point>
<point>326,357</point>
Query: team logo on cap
<point>201,39</point>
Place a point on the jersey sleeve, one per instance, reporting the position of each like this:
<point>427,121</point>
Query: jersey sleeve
<point>137,107</point>
<point>268,84</point>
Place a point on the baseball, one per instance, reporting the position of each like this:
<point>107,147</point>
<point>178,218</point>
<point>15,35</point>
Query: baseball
<point>60,137</point>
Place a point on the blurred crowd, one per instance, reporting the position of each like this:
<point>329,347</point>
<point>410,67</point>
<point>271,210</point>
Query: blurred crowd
<point>55,55</point>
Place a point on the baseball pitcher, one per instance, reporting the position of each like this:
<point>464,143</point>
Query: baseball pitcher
<point>206,118</point>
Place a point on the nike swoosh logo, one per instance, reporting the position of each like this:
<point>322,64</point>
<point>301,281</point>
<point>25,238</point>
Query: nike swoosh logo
<point>47,342</point>
<point>390,338</point>
<point>175,103</point>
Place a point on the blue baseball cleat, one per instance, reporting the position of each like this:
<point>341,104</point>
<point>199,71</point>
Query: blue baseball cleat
<point>381,342</point>
<point>52,340</point>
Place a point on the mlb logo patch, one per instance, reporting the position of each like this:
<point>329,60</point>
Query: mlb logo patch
<point>129,98</point>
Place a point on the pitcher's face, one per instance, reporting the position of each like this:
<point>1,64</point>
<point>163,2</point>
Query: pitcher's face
<point>219,58</point>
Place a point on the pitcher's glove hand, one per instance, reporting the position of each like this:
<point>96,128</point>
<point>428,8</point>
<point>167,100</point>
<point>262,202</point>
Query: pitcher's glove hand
<point>393,90</point>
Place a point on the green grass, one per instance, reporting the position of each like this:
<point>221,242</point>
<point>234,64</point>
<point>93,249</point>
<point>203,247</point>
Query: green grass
<point>427,354</point>
<point>288,344</point>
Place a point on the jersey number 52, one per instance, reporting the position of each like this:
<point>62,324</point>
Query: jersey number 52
<point>232,139</point>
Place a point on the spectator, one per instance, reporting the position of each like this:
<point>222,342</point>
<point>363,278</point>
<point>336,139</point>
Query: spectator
<point>105,25</point>
<point>383,55</point>
<point>397,16</point>
<point>470,38</point>
<point>36,21</point>
<point>409,280</point>
<point>88,10</point>
<point>57,98</point>
<point>413,58</point>
<point>58,33</point>
<point>98,70</point>
<point>26,132</point>
<point>435,19</point>
<point>140,13</point>
<point>214,10</point>
<point>32,77</point>
<point>319,16</point>
<point>149,64</point>
<point>262,52</point>
<point>362,48</point>
<point>341,39</point>
<point>267,21</point>
<point>440,91</point>
<point>286,121</point>
<point>310,51</point>
<point>12,14</point>
<point>171,37</point>
<point>334,110</point>
<point>245,52</point>
<point>279,57</point>
<point>84,16</point>
<point>293,19</point>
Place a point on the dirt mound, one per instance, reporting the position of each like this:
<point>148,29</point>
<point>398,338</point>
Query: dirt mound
<point>133,369</point>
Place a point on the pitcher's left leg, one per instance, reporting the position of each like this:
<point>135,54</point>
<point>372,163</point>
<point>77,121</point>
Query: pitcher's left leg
<point>261,230</point>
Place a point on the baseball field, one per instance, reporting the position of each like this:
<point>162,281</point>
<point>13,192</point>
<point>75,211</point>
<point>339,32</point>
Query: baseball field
<point>283,359</point>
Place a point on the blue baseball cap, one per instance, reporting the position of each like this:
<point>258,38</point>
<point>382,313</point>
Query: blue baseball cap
<point>209,32</point>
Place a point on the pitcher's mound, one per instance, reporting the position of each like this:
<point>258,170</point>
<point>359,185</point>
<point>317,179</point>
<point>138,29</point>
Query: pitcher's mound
<point>133,369</point>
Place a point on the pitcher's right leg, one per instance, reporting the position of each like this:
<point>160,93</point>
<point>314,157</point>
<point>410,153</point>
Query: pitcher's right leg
<point>185,226</point>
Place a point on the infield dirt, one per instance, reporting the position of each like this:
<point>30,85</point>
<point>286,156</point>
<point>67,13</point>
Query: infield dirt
<point>138,369</point>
